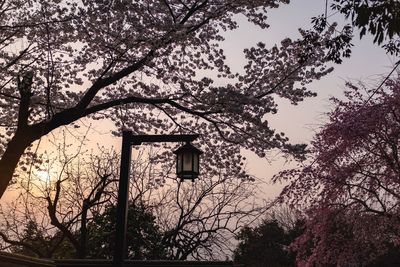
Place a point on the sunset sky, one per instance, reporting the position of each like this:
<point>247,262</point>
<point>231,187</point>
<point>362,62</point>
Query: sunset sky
<point>367,63</point>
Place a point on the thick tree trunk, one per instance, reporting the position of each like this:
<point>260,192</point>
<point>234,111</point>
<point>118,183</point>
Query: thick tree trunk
<point>15,149</point>
<point>24,137</point>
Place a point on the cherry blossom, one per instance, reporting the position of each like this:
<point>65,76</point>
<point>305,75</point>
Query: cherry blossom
<point>351,188</point>
<point>138,63</point>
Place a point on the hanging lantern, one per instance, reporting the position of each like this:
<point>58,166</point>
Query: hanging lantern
<point>187,162</point>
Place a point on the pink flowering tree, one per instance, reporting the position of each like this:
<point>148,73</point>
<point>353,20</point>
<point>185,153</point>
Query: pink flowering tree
<point>149,66</point>
<point>351,189</point>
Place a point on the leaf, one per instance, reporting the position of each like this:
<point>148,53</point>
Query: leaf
<point>372,28</point>
<point>362,33</point>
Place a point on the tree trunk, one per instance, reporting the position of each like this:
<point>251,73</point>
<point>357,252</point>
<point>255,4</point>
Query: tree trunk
<point>82,252</point>
<point>15,149</point>
<point>24,137</point>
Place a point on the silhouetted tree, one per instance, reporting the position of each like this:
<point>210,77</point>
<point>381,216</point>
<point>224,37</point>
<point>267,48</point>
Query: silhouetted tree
<point>36,242</point>
<point>267,245</point>
<point>144,237</point>
<point>380,18</point>
<point>197,220</point>
<point>58,205</point>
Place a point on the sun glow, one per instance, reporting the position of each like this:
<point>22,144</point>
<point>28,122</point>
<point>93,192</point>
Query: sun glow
<point>43,176</point>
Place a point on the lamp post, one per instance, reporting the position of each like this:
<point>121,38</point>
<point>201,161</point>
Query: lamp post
<point>187,167</point>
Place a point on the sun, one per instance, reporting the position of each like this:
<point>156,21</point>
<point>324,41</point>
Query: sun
<point>43,176</point>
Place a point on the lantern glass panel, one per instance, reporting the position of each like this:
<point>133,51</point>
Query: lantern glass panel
<point>179,163</point>
<point>187,161</point>
<point>196,162</point>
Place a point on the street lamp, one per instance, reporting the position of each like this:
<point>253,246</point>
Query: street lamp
<point>187,167</point>
<point>187,162</point>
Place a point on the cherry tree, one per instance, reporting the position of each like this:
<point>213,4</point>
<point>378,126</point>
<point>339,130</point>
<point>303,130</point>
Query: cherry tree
<point>351,188</point>
<point>150,66</point>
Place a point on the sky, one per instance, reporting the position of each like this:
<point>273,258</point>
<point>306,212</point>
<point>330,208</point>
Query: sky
<point>367,63</point>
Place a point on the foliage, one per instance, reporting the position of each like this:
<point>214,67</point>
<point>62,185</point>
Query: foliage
<point>267,245</point>
<point>144,238</point>
<point>390,259</point>
<point>351,189</point>
<point>151,67</point>
<point>36,242</point>
<point>380,18</point>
